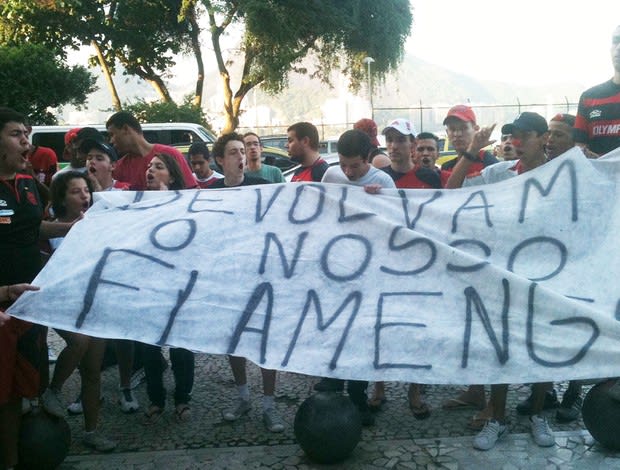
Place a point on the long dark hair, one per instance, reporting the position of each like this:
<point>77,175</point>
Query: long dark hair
<point>58,190</point>
<point>176,175</point>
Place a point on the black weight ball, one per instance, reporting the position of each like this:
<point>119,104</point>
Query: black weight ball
<point>44,441</point>
<point>327,427</point>
<point>601,415</point>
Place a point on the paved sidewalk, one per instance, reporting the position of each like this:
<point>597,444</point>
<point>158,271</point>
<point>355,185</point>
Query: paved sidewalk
<point>397,440</point>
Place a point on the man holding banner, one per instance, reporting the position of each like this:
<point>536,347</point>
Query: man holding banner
<point>229,154</point>
<point>528,134</point>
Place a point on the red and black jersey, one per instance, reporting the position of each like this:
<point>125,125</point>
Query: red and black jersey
<point>417,178</point>
<point>20,220</point>
<point>313,172</point>
<point>597,124</point>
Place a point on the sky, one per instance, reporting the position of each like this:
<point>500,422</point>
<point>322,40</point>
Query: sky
<point>526,42</point>
<point>532,42</point>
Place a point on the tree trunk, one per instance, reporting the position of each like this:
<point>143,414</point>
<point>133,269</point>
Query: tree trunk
<point>194,35</point>
<point>116,101</point>
<point>160,87</point>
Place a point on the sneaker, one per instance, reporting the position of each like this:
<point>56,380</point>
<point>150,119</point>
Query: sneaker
<point>241,407</point>
<point>490,434</point>
<point>75,408</point>
<point>541,432</point>
<point>327,384</point>
<point>272,420</point>
<point>570,409</point>
<point>52,403</point>
<point>128,402</point>
<point>137,377</point>
<point>97,441</point>
<point>551,401</point>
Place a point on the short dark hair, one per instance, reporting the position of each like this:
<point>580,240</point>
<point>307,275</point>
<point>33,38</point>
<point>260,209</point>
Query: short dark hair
<point>220,143</point>
<point>354,143</point>
<point>260,142</point>
<point>10,115</point>
<point>428,136</point>
<point>306,129</point>
<point>58,190</point>
<point>199,148</point>
<point>122,118</point>
<point>176,175</point>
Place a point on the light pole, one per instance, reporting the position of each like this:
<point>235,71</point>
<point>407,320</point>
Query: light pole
<point>368,61</point>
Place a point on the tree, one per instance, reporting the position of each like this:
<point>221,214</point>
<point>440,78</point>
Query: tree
<point>142,36</point>
<point>168,112</point>
<point>278,35</point>
<point>33,79</point>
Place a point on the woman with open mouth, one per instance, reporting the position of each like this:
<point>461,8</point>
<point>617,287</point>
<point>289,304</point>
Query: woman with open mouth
<point>71,196</point>
<point>164,173</point>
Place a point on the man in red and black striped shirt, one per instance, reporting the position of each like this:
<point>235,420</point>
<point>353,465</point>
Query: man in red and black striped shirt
<point>597,126</point>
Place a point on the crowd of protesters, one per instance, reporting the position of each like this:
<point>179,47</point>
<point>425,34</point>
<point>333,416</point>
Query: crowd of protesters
<point>38,206</point>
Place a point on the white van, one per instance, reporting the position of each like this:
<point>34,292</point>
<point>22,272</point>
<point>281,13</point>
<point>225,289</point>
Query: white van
<point>167,133</point>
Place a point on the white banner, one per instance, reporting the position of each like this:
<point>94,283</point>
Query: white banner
<point>504,283</point>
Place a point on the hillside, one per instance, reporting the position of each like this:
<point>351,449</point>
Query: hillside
<point>416,83</point>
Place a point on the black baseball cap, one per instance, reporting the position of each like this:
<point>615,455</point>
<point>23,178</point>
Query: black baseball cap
<point>89,144</point>
<point>527,121</point>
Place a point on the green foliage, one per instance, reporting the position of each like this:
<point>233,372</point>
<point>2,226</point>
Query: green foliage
<point>339,32</point>
<point>33,79</point>
<point>160,111</point>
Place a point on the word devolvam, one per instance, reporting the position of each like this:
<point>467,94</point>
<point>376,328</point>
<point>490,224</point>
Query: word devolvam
<point>511,282</point>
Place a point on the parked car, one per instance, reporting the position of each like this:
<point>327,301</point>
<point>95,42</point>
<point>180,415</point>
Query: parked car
<point>167,133</point>
<point>277,141</point>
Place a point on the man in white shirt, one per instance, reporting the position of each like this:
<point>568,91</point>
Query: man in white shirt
<point>354,147</point>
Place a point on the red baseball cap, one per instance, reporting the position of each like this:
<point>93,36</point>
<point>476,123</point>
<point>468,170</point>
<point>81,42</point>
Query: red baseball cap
<point>462,113</point>
<point>368,127</point>
<point>71,134</point>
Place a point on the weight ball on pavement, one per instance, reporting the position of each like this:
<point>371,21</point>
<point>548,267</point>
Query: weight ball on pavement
<point>601,416</point>
<point>327,427</point>
<point>44,441</point>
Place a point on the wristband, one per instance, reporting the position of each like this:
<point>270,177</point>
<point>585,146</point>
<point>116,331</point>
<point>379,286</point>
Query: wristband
<point>469,156</point>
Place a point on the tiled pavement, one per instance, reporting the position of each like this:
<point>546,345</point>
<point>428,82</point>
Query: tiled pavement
<point>397,440</point>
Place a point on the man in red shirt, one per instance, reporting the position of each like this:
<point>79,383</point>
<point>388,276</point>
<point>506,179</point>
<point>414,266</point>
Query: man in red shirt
<point>126,136</point>
<point>303,147</point>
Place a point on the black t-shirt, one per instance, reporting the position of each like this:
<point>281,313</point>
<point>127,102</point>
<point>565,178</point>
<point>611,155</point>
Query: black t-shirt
<point>20,219</point>
<point>247,181</point>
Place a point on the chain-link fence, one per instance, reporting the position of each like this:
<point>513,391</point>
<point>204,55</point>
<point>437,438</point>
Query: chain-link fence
<point>430,118</point>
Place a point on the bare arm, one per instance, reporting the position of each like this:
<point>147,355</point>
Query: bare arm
<point>481,139</point>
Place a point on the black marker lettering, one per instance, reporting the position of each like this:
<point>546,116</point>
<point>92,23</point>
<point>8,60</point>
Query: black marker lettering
<point>354,298</point>
<point>262,290</point>
<point>529,339</point>
<point>572,174</point>
<point>473,299</point>
<point>288,268</point>
<point>348,253</point>
<point>465,207</point>
<point>416,242</point>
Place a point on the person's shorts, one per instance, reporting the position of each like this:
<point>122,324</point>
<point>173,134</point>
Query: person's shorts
<point>20,358</point>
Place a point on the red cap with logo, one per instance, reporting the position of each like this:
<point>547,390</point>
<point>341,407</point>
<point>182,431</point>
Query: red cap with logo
<point>462,113</point>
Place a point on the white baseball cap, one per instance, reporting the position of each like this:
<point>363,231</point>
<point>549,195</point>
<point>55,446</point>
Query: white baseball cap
<point>401,125</point>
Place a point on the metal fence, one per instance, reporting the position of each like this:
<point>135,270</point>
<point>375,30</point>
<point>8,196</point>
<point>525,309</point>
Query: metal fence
<point>430,117</point>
